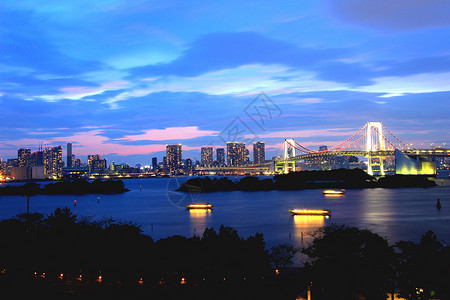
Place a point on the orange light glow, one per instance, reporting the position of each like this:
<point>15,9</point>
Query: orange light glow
<point>199,206</point>
<point>313,212</point>
<point>333,192</point>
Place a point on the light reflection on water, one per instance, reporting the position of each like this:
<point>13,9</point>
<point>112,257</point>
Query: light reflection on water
<point>304,229</point>
<point>398,214</point>
<point>199,220</point>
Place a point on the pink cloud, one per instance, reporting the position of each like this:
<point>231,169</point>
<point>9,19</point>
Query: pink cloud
<point>94,142</point>
<point>77,90</point>
<point>170,133</point>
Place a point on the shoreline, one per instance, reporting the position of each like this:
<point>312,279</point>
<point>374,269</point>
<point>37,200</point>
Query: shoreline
<point>333,179</point>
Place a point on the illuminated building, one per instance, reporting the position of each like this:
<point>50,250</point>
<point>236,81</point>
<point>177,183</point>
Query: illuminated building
<point>323,148</point>
<point>77,163</point>
<point>236,154</point>
<point>174,158</point>
<point>414,165</point>
<point>188,164</point>
<point>12,162</point>
<point>69,155</point>
<point>53,162</point>
<point>91,158</point>
<point>24,155</point>
<point>259,154</point>
<point>220,156</point>
<point>98,166</point>
<point>207,156</point>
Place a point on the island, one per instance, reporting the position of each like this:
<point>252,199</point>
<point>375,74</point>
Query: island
<point>339,179</point>
<point>77,187</point>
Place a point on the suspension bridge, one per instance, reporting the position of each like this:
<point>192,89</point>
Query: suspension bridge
<point>373,141</point>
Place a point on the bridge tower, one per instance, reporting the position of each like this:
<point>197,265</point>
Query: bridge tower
<point>288,152</point>
<point>375,143</point>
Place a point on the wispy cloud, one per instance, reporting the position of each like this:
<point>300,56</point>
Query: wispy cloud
<point>393,15</point>
<point>171,133</point>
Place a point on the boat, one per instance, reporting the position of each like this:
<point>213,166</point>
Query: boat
<point>310,212</point>
<point>199,206</point>
<point>334,192</point>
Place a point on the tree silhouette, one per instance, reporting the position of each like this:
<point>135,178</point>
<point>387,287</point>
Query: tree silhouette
<point>348,262</point>
<point>281,255</point>
<point>426,266</point>
<point>29,189</point>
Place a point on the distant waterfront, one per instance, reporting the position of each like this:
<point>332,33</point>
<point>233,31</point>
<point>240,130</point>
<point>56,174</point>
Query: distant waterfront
<point>398,214</point>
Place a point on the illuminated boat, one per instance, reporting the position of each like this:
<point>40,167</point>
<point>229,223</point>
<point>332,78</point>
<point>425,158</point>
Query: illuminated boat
<point>334,192</point>
<point>310,212</point>
<point>199,206</point>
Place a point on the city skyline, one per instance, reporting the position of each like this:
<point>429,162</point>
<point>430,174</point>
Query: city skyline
<point>125,79</point>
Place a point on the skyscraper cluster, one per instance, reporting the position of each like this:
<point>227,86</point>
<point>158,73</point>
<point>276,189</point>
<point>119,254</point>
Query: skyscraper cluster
<point>44,163</point>
<point>48,162</point>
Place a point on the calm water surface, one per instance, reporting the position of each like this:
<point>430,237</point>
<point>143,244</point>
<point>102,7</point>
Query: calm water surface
<point>397,214</point>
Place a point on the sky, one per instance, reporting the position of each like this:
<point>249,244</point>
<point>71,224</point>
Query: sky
<point>124,78</point>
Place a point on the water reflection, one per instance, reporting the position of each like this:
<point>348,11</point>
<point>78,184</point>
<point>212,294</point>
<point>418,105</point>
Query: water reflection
<point>377,207</point>
<point>304,227</point>
<point>199,219</point>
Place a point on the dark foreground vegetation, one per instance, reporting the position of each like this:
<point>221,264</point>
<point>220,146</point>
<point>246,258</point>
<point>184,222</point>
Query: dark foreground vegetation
<point>64,256</point>
<point>79,186</point>
<point>340,179</point>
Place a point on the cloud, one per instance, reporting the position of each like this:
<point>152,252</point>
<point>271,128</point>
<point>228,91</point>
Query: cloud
<point>26,44</point>
<point>419,65</point>
<point>226,50</point>
<point>171,133</point>
<point>246,80</point>
<point>417,83</point>
<point>29,86</point>
<point>398,15</point>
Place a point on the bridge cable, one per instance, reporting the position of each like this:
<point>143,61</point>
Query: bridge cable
<point>395,137</point>
<point>385,138</point>
<point>338,147</point>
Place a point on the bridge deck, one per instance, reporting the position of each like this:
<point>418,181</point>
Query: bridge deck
<point>422,152</point>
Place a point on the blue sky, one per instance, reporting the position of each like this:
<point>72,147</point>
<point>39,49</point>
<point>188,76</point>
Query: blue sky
<point>125,78</point>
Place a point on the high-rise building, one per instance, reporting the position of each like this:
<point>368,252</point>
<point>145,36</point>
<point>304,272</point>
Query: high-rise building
<point>188,164</point>
<point>91,158</point>
<point>154,163</point>
<point>164,164</point>
<point>174,157</point>
<point>24,157</point>
<point>323,148</point>
<point>207,156</point>
<point>98,166</point>
<point>53,162</point>
<point>69,155</point>
<point>37,158</point>
<point>236,154</point>
<point>259,154</point>
<point>77,163</point>
<point>220,156</point>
